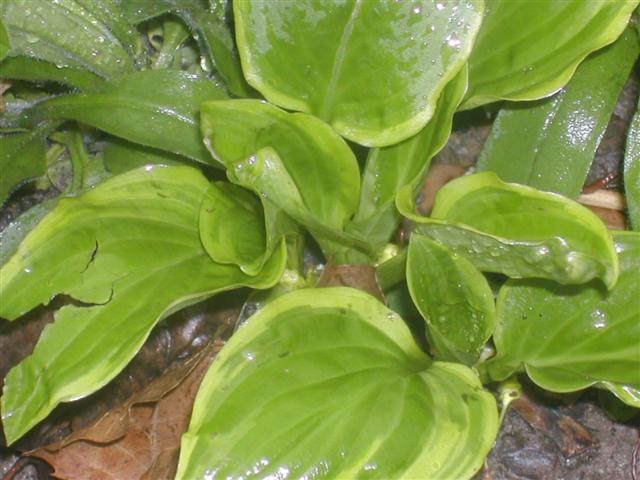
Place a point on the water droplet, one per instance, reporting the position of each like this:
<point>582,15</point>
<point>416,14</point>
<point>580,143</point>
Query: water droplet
<point>417,10</point>
<point>249,356</point>
<point>27,270</point>
<point>32,39</point>
<point>453,41</point>
<point>439,6</point>
<point>599,319</point>
<point>370,467</point>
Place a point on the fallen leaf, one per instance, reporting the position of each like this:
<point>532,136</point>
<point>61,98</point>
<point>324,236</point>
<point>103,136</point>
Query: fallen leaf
<point>139,439</point>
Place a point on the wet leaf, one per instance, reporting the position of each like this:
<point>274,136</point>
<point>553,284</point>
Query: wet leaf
<point>22,158</point>
<point>81,34</point>
<point>131,247</point>
<point>156,108</point>
<point>122,156</point>
<point>331,383</point>
<point>139,439</point>
<point>632,171</point>
<point>569,338</point>
<point>454,299</point>
<point>517,230</point>
<point>556,139</point>
<point>372,70</point>
<point>25,68</point>
<point>529,50</point>
<point>390,168</point>
<point>294,160</point>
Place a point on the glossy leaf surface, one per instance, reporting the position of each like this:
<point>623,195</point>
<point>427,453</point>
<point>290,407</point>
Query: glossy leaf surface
<point>373,70</point>
<point>632,171</point>
<point>232,227</point>
<point>82,34</point>
<point>330,383</point>
<point>22,158</point>
<point>131,247</point>
<point>569,337</point>
<point>518,231</point>
<point>550,144</point>
<point>389,169</point>
<point>25,68</point>
<point>453,297</point>
<point>121,156</point>
<point>157,108</point>
<point>294,160</point>
<point>529,50</point>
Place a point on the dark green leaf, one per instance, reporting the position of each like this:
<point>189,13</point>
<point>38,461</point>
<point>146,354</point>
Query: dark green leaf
<point>454,299</point>
<point>632,171</point>
<point>25,68</point>
<point>157,108</point>
<point>80,34</point>
<point>22,158</point>
<point>528,50</point>
<point>373,70</point>
<point>131,247</point>
<point>121,156</point>
<point>517,230</point>
<point>330,383</point>
<point>388,169</point>
<point>550,144</point>
<point>569,337</point>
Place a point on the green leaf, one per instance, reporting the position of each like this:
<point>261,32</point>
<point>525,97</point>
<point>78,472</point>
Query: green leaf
<point>22,158</point>
<point>453,297</point>
<point>330,383</point>
<point>632,170</point>
<point>5,41</point>
<point>528,50</point>
<point>121,156</point>
<point>218,43</point>
<point>131,247</point>
<point>517,230</point>
<point>373,70</point>
<point>550,144</point>
<point>568,337</point>
<point>294,160</point>
<point>232,227</point>
<point>137,11</point>
<point>31,69</point>
<point>388,169</point>
<point>81,34</point>
<point>156,108</point>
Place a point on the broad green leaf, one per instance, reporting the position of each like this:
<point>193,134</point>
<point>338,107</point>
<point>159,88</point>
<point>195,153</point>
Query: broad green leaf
<point>81,34</point>
<point>31,69</point>
<point>528,50</point>
<point>130,247</point>
<point>22,158</point>
<point>157,108</point>
<point>551,143</point>
<point>232,227</point>
<point>292,159</point>
<point>453,297</point>
<point>632,171</point>
<point>373,70</point>
<point>567,337</point>
<point>330,383</point>
<point>388,169</point>
<point>518,230</point>
<point>121,156</point>
<point>5,42</point>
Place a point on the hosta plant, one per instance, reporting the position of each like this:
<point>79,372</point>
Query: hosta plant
<point>255,131</point>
